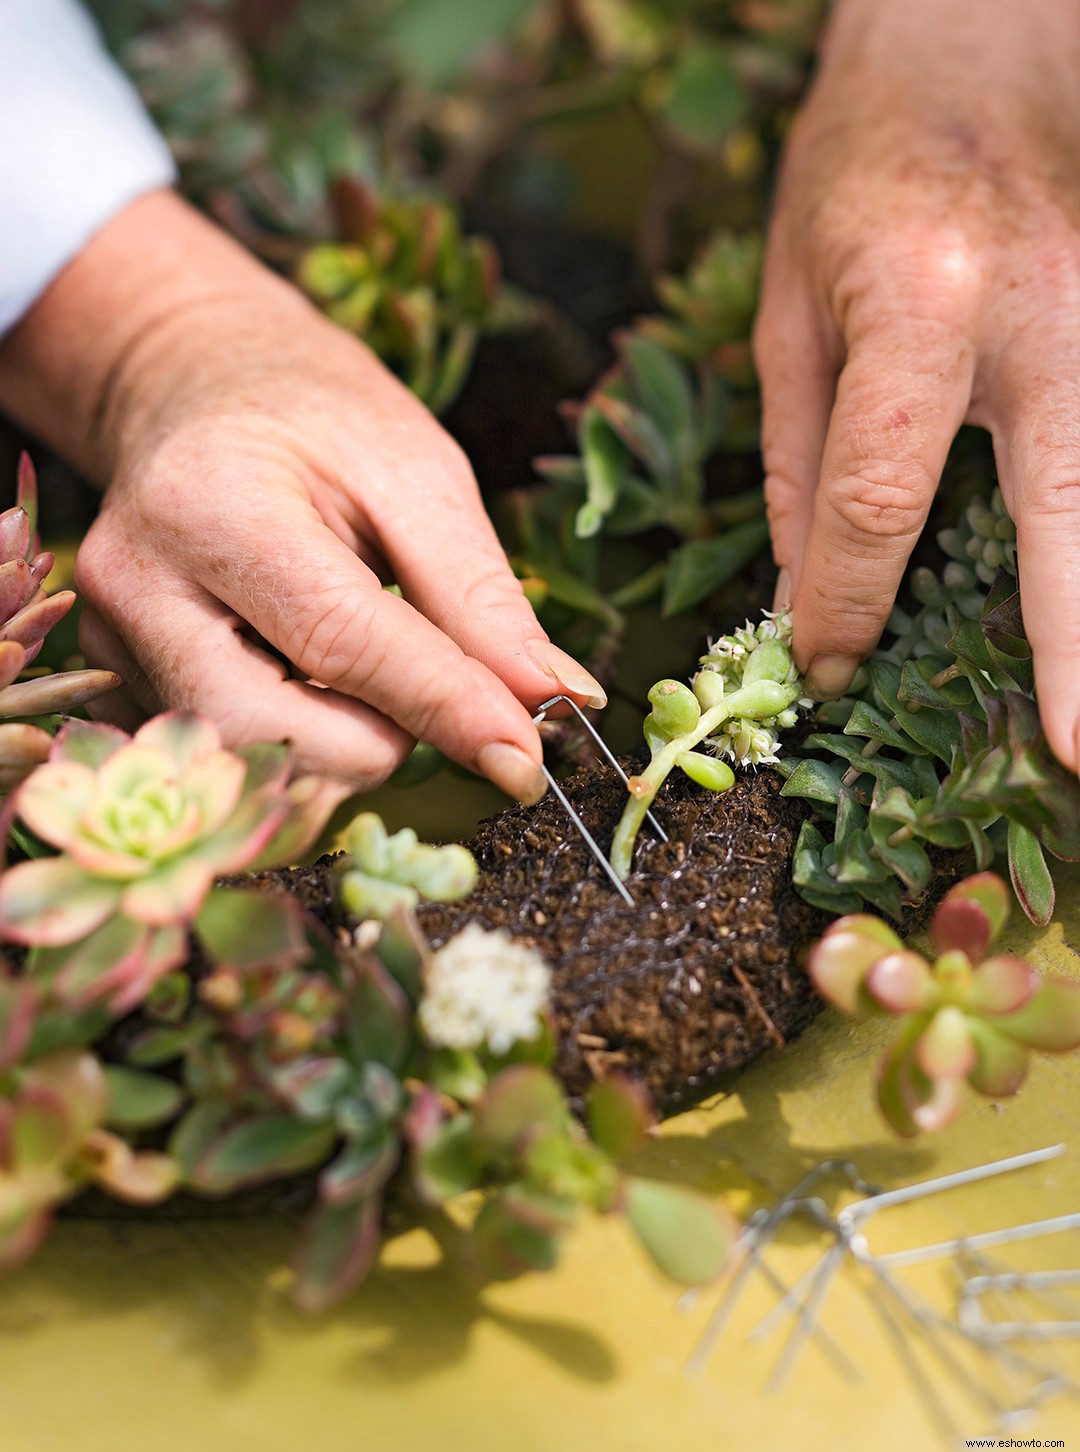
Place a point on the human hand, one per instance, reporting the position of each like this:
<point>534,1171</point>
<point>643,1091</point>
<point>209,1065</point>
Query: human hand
<point>268,475</point>
<point>923,270</point>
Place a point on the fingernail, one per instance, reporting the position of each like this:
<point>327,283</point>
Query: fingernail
<point>509,768</point>
<point>782,593</point>
<point>829,676</point>
<point>575,680</point>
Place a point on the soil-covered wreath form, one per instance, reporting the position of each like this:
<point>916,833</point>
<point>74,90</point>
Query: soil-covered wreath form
<point>701,975</point>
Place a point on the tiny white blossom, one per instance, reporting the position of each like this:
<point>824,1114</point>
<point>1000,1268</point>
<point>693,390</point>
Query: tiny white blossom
<point>483,988</point>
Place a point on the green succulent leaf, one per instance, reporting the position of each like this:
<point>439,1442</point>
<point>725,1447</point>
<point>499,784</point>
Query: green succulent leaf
<point>619,1115</point>
<point>263,1147</point>
<point>517,1101</point>
<point>700,567</point>
<point>338,1247</point>
<point>1030,875</point>
<point>138,1100</point>
<point>685,1234</point>
<point>707,771</point>
<point>448,1163</point>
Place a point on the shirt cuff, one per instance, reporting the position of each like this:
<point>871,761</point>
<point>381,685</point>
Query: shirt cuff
<point>76,146</point>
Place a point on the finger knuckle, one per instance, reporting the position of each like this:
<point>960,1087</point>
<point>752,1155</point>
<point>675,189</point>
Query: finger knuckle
<point>882,499</point>
<point>334,638</point>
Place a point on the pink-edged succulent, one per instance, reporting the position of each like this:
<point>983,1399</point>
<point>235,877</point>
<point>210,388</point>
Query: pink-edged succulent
<point>27,614</point>
<point>964,1016</point>
<point>143,825</point>
<point>53,1142</point>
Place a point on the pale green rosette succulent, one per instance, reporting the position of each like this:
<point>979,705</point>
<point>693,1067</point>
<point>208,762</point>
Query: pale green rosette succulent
<point>143,825</point>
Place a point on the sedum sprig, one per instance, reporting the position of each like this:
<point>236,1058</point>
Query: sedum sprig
<point>963,1016</point>
<point>384,873</point>
<point>744,693</point>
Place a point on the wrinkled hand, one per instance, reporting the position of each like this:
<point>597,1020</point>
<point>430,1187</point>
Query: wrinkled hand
<point>268,475</point>
<point>923,270</point>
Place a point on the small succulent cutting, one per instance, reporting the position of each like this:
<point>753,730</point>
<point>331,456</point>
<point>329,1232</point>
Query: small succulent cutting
<point>745,692</point>
<point>963,1017</point>
<point>382,873</point>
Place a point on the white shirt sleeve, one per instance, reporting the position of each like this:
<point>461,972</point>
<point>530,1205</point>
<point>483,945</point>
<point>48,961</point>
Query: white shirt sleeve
<point>76,145</point>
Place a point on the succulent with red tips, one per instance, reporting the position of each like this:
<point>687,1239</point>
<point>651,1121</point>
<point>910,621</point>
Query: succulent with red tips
<point>964,1016</point>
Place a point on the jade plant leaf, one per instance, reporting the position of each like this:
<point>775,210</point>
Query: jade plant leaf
<point>261,1148</point>
<point>338,1247</point>
<point>685,1234</point>
<point>448,1162</point>
<point>138,1100</point>
<point>517,1101</point>
<point>619,1115</point>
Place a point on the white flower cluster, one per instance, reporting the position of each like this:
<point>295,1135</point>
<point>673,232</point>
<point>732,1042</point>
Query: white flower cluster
<point>483,988</point>
<point>750,743</point>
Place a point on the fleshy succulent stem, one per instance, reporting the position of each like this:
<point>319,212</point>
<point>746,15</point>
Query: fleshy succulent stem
<point>643,788</point>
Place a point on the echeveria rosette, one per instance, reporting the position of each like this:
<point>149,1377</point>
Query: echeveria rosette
<point>143,825</point>
<point>964,1017</point>
<point>745,692</point>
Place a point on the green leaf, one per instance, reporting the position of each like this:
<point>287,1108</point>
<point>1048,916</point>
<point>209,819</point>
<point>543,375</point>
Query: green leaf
<point>511,1236</point>
<point>606,465</point>
<point>619,1114</point>
<point>339,1245</point>
<point>707,771</point>
<point>700,567</point>
<point>262,1148</point>
<point>435,40</point>
<point>449,1163</point>
<point>380,1017</point>
<point>517,1100</point>
<point>137,1100</point>
<point>1030,875</point>
<point>402,950</point>
<point>866,721</point>
<point>663,387</point>
<point>818,781</point>
<point>244,928</point>
<point>686,1235</point>
<point>361,1169</point>
<point>706,98</point>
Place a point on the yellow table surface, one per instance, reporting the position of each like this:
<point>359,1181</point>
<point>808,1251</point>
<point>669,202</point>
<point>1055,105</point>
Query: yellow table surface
<point>170,1336</point>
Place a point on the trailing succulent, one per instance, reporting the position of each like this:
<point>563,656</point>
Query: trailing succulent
<point>938,745</point>
<point>963,1016</point>
<point>745,692</point>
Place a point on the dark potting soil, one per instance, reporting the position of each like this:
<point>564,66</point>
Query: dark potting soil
<point>701,975</point>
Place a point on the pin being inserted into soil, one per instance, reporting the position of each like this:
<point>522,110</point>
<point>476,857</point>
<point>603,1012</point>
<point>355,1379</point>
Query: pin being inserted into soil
<point>586,836</point>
